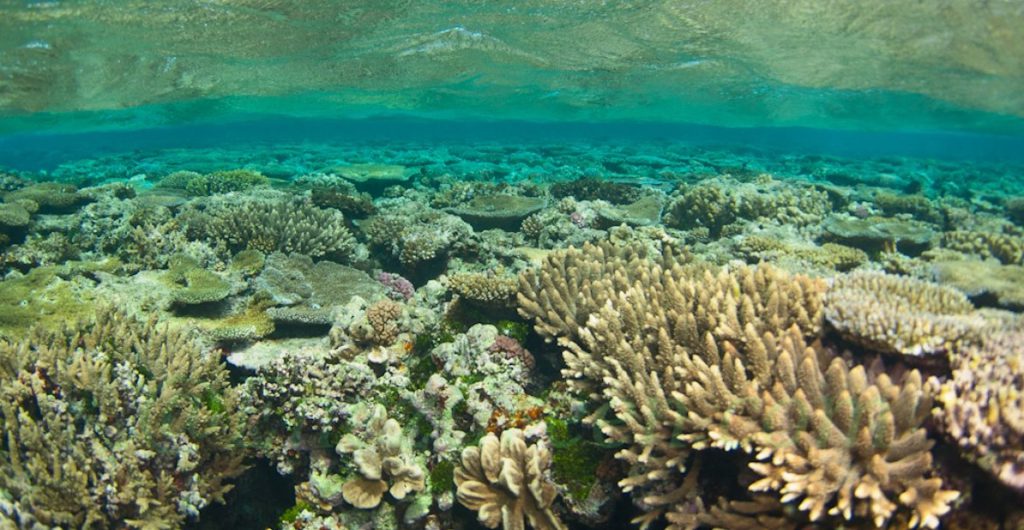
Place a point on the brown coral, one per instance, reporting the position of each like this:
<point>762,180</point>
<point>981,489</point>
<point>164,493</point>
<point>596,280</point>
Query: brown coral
<point>483,288</point>
<point>506,483</point>
<point>116,424</point>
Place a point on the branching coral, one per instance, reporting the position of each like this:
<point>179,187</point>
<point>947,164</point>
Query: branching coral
<point>981,406</point>
<point>894,314</point>
<point>688,359</point>
<point>275,222</point>
<point>716,203</point>
<point>116,424</point>
<point>506,482</point>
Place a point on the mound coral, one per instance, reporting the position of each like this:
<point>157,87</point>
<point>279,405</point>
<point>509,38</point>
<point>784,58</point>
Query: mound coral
<point>114,424</point>
<point>506,482</point>
<point>687,359</point>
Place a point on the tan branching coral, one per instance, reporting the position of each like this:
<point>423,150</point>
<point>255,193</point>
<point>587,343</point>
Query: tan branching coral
<point>383,458</point>
<point>981,406</point>
<point>688,359</point>
<point>505,481</point>
<point>116,424</point>
<point>895,314</point>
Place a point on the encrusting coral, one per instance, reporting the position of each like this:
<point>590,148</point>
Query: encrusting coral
<point>506,482</point>
<point>115,424</point>
<point>687,359</point>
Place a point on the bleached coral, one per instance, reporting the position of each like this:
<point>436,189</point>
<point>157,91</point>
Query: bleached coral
<point>506,482</point>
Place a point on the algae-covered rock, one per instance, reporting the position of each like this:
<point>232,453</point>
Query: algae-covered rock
<point>498,211</point>
<point>986,282</point>
<point>880,233</point>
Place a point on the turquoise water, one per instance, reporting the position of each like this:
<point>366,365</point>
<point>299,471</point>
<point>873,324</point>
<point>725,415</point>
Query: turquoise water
<point>543,264</point>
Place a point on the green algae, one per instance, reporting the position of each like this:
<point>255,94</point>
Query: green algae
<point>292,514</point>
<point>574,460</point>
<point>514,329</point>
<point>442,477</point>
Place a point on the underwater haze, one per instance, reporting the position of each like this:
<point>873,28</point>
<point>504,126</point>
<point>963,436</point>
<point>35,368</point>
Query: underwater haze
<point>545,264</point>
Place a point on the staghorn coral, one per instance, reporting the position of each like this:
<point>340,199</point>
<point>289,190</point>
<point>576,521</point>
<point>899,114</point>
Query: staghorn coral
<point>688,360</point>
<point>114,424</point>
<point>506,483</point>
<point>895,314</point>
<point>274,222</point>
<point>981,405</point>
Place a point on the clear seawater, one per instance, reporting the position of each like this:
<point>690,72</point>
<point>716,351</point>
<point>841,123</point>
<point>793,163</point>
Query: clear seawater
<point>900,112</point>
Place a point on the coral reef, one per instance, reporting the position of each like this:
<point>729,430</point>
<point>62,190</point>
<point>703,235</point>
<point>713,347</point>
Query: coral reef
<point>504,480</point>
<point>384,460</point>
<point>485,288</point>
<point>1007,248</point>
<point>116,423</point>
<point>416,236</point>
<point>225,182</point>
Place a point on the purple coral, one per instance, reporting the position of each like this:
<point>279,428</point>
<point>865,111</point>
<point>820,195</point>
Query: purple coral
<point>512,350</point>
<point>398,288</point>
